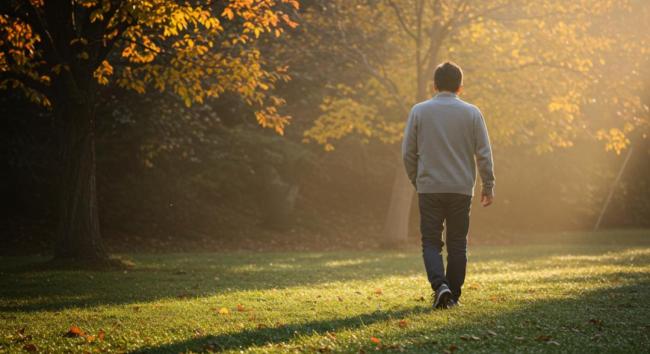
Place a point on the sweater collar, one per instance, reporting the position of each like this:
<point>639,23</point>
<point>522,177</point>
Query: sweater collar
<point>446,94</point>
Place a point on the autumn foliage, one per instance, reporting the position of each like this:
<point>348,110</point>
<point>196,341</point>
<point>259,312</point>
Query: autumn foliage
<point>196,50</point>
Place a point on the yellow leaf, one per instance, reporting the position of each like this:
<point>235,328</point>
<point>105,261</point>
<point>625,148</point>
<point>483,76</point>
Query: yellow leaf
<point>227,12</point>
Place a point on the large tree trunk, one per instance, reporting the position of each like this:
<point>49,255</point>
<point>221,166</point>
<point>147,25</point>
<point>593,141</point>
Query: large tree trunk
<point>396,226</point>
<point>397,220</point>
<point>78,236</point>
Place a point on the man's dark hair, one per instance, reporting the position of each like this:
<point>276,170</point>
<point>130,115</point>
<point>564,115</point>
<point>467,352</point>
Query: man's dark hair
<point>448,77</point>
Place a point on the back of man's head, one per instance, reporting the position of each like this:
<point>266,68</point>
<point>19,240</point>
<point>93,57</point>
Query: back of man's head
<point>448,77</point>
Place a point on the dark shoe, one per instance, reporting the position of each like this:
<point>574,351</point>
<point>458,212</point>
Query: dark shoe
<point>453,303</point>
<point>441,297</point>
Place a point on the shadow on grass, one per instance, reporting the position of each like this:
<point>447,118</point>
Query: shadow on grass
<point>275,335</point>
<point>25,288</point>
<point>576,323</point>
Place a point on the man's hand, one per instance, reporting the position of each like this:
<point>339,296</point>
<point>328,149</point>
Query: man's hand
<point>486,199</point>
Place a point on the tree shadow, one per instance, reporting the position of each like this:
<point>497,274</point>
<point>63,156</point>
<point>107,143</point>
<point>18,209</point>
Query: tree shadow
<point>24,287</point>
<point>553,321</point>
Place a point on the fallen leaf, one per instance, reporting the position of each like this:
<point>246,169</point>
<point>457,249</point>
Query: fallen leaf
<point>30,347</point>
<point>495,298</point>
<point>492,333</point>
<point>375,340</point>
<point>421,298</point>
<point>520,338</point>
<point>224,311</point>
<point>402,323</point>
<point>101,334</point>
<point>90,339</point>
<point>21,336</point>
<point>473,337</point>
<point>464,337</point>
<point>240,308</point>
<point>74,332</point>
<point>378,291</point>
<point>596,322</point>
<point>339,298</point>
<point>543,338</point>
<point>452,348</point>
<point>553,342</point>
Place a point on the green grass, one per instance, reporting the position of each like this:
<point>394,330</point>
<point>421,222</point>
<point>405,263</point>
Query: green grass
<point>580,293</point>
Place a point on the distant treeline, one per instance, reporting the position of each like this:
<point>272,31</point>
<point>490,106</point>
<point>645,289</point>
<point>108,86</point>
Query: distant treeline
<point>196,166</point>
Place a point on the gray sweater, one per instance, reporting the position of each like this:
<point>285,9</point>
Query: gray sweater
<point>444,139</point>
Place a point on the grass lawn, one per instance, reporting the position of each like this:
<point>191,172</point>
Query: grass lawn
<point>570,293</point>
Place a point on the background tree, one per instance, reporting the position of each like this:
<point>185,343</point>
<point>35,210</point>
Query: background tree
<point>531,66</point>
<point>57,53</point>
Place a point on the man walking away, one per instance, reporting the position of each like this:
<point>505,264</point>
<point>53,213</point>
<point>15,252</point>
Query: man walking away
<point>445,138</point>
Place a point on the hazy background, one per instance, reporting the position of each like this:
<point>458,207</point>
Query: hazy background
<point>208,177</point>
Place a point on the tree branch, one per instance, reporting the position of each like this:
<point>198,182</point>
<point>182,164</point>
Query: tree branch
<point>400,18</point>
<point>27,81</point>
<point>385,81</point>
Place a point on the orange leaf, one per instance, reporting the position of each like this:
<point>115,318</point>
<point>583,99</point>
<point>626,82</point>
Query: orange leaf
<point>101,335</point>
<point>375,340</point>
<point>30,347</point>
<point>240,308</point>
<point>402,323</point>
<point>74,332</point>
<point>227,12</point>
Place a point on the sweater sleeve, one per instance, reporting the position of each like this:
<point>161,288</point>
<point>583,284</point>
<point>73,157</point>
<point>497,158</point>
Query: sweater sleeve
<point>410,147</point>
<point>483,152</point>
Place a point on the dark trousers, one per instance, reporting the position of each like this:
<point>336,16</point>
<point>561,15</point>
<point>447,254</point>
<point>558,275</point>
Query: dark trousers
<point>453,210</point>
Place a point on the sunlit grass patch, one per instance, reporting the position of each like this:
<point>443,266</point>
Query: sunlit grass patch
<point>573,298</point>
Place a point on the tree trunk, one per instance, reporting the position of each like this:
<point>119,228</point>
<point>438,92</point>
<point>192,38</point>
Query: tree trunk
<point>396,226</point>
<point>397,220</point>
<point>78,236</point>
